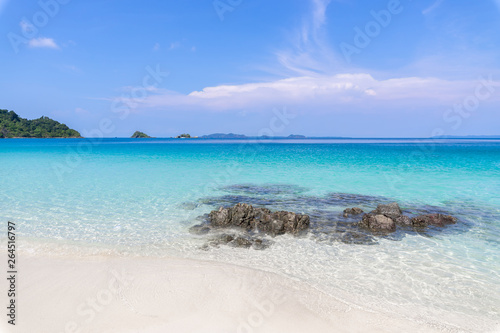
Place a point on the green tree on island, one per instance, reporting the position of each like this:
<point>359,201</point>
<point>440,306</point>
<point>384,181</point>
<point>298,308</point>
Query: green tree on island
<point>13,126</point>
<point>139,135</point>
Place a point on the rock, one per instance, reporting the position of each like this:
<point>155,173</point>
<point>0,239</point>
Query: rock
<point>439,220</point>
<point>220,218</point>
<point>357,238</point>
<point>234,240</point>
<point>391,210</point>
<point>287,222</point>
<point>352,211</point>
<point>200,229</point>
<point>241,242</point>
<point>262,219</point>
<point>221,239</point>
<point>260,244</point>
<point>403,220</point>
<point>378,222</point>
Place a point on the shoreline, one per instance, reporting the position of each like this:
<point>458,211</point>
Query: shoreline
<point>123,294</point>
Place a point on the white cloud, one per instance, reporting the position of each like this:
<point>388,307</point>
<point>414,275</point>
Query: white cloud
<point>318,93</point>
<point>43,42</point>
<point>156,47</point>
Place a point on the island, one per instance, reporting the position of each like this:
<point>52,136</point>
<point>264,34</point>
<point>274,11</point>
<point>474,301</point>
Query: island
<point>242,136</point>
<point>13,126</point>
<point>139,135</point>
<point>186,136</point>
<point>224,136</point>
<point>466,137</point>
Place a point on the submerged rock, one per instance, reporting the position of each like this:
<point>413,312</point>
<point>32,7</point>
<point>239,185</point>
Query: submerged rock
<point>439,220</point>
<point>262,219</point>
<point>241,242</point>
<point>352,211</point>
<point>189,205</point>
<point>200,229</point>
<point>264,189</point>
<point>378,222</point>
<point>235,240</point>
<point>352,199</point>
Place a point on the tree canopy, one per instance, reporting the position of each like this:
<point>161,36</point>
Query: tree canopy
<point>139,135</point>
<point>13,126</point>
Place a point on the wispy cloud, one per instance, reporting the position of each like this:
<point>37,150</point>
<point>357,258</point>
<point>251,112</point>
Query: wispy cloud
<point>175,45</point>
<point>310,52</point>
<point>433,7</point>
<point>156,47</point>
<point>70,69</point>
<point>81,111</point>
<point>43,42</point>
<point>2,5</point>
<point>26,27</point>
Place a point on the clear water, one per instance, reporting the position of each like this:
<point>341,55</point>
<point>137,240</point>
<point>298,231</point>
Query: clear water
<point>139,197</point>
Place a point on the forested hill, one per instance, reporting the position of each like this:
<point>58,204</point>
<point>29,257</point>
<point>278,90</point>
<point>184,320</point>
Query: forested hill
<point>13,126</point>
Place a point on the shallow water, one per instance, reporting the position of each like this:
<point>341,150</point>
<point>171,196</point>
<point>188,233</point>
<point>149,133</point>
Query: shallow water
<point>139,197</point>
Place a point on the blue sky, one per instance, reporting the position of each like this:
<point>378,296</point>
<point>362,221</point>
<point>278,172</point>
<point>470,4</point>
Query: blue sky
<point>334,68</point>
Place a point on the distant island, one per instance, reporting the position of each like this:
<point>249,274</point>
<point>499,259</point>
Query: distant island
<point>466,137</point>
<point>296,136</point>
<point>186,136</point>
<point>139,135</point>
<point>242,136</point>
<point>13,126</point>
<point>224,136</point>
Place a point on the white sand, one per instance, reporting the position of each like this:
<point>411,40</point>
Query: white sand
<point>99,294</point>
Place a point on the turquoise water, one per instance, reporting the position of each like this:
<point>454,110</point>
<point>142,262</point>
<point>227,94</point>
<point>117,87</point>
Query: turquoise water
<point>139,197</point>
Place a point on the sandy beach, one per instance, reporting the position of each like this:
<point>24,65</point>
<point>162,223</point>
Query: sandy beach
<point>100,294</point>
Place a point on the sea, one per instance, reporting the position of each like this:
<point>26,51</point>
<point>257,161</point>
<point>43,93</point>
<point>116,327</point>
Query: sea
<point>139,198</point>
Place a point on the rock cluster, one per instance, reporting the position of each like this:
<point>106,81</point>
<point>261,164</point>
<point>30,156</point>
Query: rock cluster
<point>245,226</point>
<point>259,219</point>
<point>386,217</point>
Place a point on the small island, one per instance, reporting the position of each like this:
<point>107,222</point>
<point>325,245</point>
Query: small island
<point>13,126</point>
<point>186,136</point>
<point>242,136</point>
<point>224,136</point>
<point>139,135</point>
